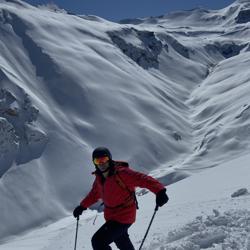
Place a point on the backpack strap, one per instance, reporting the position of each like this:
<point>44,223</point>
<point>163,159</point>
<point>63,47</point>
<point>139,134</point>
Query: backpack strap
<point>121,183</point>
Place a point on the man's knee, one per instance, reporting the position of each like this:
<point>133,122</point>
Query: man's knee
<point>96,240</point>
<point>99,242</point>
<point>124,242</point>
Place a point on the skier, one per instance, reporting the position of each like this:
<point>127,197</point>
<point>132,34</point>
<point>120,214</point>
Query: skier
<point>115,184</point>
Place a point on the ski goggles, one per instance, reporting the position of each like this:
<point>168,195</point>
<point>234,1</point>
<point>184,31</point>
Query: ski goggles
<point>101,160</point>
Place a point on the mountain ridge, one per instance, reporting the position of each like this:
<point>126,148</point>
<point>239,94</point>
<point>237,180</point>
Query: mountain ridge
<point>151,89</point>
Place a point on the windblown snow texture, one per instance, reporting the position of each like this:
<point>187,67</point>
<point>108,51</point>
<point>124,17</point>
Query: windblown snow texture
<point>168,94</point>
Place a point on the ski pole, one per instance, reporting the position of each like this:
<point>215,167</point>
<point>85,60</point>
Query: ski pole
<point>97,212</point>
<point>77,222</point>
<point>156,208</point>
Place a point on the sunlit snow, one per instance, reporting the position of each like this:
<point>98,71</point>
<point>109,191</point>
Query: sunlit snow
<point>168,94</point>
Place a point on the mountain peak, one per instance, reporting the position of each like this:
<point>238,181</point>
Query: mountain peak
<point>242,1</point>
<point>16,2</point>
<point>245,3</point>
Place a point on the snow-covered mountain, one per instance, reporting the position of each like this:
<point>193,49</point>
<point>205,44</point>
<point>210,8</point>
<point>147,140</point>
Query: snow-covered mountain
<point>168,94</point>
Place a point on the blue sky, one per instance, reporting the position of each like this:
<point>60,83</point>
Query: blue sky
<point>120,9</point>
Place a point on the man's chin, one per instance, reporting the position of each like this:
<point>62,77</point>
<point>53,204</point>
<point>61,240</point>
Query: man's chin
<point>103,170</point>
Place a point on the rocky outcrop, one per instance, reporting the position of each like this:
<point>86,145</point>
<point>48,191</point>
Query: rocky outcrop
<point>144,48</point>
<point>21,140</point>
<point>227,50</point>
<point>243,16</point>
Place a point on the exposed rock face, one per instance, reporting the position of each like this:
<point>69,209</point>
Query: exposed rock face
<point>240,192</point>
<point>227,50</point>
<point>175,44</point>
<point>144,51</point>
<point>243,16</point>
<point>8,144</point>
<point>20,138</point>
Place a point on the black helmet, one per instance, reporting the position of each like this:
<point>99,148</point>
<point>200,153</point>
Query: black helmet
<point>101,151</point>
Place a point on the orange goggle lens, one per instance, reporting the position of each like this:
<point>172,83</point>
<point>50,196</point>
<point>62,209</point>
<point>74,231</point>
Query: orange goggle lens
<point>101,160</point>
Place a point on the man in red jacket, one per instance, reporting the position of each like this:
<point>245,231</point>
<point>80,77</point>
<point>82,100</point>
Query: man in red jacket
<point>115,184</point>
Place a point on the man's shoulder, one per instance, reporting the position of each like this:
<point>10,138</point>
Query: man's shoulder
<point>120,164</point>
<point>123,168</point>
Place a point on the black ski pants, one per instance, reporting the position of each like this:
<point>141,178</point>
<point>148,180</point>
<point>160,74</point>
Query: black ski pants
<point>109,232</point>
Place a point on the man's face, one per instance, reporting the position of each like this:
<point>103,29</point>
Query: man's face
<point>103,167</point>
<point>102,163</point>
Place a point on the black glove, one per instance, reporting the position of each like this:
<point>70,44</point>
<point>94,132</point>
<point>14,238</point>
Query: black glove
<point>78,211</point>
<point>161,198</point>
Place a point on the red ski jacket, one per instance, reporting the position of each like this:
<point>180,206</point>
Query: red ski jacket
<point>117,192</point>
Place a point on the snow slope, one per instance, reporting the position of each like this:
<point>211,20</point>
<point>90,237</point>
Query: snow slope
<point>174,89</point>
<point>201,214</point>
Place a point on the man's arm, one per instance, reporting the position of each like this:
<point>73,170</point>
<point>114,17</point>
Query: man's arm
<point>92,197</point>
<point>136,179</point>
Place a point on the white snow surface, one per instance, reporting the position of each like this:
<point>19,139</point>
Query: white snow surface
<point>201,214</point>
<point>169,94</point>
